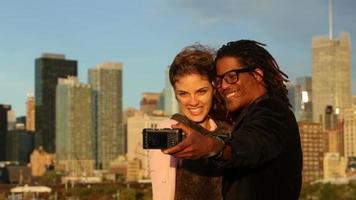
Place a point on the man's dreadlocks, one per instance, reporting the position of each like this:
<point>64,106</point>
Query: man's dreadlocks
<point>252,53</point>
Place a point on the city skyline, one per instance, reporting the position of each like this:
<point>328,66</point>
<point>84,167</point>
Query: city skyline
<point>145,36</point>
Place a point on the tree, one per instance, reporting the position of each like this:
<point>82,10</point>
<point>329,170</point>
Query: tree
<point>328,192</point>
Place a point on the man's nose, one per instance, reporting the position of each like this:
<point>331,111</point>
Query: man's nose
<point>224,84</point>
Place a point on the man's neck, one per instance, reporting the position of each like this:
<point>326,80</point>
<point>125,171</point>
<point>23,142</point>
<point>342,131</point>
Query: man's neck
<point>258,99</point>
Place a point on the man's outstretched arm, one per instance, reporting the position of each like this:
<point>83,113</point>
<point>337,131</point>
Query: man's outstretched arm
<point>195,145</point>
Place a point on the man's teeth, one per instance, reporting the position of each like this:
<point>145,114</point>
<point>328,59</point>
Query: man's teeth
<point>230,94</point>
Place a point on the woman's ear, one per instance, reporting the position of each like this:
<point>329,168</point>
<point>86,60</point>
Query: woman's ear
<point>258,74</point>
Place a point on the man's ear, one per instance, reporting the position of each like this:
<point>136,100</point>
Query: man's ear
<point>258,74</point>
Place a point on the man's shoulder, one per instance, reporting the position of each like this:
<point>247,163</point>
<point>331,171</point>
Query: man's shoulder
<point>274,103</point>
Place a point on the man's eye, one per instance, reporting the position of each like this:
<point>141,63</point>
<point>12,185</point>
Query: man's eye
<point>231,76</point>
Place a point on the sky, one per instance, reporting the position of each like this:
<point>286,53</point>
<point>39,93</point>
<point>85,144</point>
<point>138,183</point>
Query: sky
<point>145,35</point>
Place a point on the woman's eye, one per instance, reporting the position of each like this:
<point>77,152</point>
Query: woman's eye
<point>202,91</point>
<point>182,94</point>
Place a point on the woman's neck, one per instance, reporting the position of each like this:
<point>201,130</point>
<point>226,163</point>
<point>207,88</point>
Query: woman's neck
<point>205,124</point>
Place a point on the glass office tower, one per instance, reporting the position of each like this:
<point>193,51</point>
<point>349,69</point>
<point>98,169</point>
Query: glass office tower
<point>48,69</point>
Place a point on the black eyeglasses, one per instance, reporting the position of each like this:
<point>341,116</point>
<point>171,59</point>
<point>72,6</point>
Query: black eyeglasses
<point>231,76</point>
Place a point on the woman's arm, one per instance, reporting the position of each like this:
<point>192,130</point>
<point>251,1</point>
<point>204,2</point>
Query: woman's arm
<point>162,169</point>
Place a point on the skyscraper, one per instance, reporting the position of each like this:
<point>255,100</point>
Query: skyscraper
<point>11,120</point>
<point>30,112</point>
<point>19,145</point>
<point>170,102</point>
<point>303,99</point>
<point>106,80</point>
<point>48,69</point>
<point>3,130</point>
<point>74,127</point>
<point>160,103</point>
<point>331,74</point>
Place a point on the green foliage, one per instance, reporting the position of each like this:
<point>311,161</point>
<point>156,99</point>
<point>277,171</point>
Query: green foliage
<point>328,191</point>
<point>50,178</point>
<point>127,194</point>
<point>310,190</point>
<point>84,192</point>
<point>102,192</point>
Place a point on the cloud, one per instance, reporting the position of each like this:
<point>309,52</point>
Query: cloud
<point>287,19</point>
<point>287,26</point>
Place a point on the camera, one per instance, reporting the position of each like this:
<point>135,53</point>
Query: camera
<point>161,138</point>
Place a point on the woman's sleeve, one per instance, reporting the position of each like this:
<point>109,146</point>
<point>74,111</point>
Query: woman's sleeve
<point>162,170</point>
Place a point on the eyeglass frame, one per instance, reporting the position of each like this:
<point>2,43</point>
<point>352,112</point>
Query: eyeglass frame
<point>237,73</point>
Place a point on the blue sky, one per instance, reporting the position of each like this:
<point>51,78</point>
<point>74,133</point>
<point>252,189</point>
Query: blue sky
<point>145,35</point>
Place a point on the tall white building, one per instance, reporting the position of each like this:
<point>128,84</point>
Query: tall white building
<point>74,127</point>
<point>170,102</point>
<point>106,80</point>
<point>331,59</point>
<point>135,124</point>
<point>11,120</point>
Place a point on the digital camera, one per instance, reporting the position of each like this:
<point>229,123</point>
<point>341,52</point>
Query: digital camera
<point>161,138</point>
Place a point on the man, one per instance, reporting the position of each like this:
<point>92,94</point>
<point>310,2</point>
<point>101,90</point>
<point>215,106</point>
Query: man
<point>263,157</point>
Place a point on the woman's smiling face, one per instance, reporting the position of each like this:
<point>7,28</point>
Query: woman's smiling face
<point>194,94</point>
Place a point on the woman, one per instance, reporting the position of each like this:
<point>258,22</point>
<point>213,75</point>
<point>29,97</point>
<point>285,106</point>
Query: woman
<point>190,76</point>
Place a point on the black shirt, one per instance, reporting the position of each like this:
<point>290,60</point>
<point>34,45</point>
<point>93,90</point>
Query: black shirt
<point>266,154</point>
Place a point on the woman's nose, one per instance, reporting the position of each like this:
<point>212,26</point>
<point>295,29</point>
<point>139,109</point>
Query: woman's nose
<point>193,101</point>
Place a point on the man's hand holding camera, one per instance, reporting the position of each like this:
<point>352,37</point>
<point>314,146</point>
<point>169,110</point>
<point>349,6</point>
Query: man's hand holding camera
<point>195,145</point>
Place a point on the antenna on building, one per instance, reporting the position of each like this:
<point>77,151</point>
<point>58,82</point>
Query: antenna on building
<point>330,21</point>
